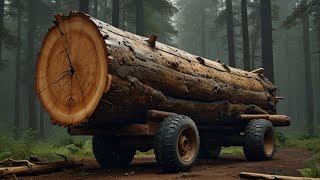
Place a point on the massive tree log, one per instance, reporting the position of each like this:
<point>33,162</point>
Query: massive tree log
<point>90,71</point>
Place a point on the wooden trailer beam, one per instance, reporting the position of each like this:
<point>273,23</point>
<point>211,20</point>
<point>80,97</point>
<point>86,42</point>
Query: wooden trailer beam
<point>158,116</point>
<point>129,130</point>
<point>276,120</point>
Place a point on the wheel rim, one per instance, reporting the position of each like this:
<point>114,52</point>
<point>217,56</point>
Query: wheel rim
<point>187,145</point>
<point>269,142</point>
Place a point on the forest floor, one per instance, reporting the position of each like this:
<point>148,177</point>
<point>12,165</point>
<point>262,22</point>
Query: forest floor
<point>287,161</point>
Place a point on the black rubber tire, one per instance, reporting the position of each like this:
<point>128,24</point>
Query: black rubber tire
<point>166,143</point>
<point>108,155</point>
<point>209,151</point>
<point>256,134</point>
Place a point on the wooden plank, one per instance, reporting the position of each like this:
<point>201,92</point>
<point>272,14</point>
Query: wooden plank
<point>276,120</point>
<point>248,175</point>
<point>39,168</point>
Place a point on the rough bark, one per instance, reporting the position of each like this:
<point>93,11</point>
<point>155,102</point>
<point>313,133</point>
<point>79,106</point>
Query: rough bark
<point>308,73</point>
<point>143,97</point>
<point>266,38</point>
<point>115,13</point>
<point>139,17</point>
<point>84,6</point>
<point>140,77</point>
<point>17,112</point>
<point>245,35</point>
<point>230,31</point>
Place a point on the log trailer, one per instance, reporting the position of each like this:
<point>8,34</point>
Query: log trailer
<point>133,93</point>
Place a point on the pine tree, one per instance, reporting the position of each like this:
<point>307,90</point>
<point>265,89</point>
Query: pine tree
<point>245,35</point>
<point>301,14</point>
<point>84,6</point>
<point>266,38</point>
<point>230,30</point>
<point>203,31</point>
<point>115,13</point>
<point>196,24</point>
<point>1,26</point>
<point>157,15</point>
<point>17,112</point>
<point>139,17</point>
<point>31,30</point>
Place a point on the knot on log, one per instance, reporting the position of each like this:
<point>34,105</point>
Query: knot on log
<point>201,60</point>
<point>174,65</point>
<point>226,67</point>
<point>152,40</point>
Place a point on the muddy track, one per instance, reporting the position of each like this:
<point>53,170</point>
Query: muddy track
<point>286,162</point>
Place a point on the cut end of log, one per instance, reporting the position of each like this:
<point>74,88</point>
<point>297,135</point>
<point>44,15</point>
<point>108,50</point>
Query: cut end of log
<point>71,71</point>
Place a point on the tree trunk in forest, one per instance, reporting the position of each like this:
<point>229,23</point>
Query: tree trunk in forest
<point>215,46</point>
<point>318,69</point>
<point>105,8</point>
<point>308,72</point>
<point>130,77</point>
<point>318,74</point>
<point>203,32</point>
<point>32,122</point>
<point>84,6</point>
<point>255,36</point>
<point>266,38</point>
<point>139,17</point>
<point>123,15</point>
<point>115,13</point>
<point>17,112</point>
<point>230,29</point>
<point>96,9</point>
<point>1,25</point>
<point>255,40</point>
<point>245,35</point>
<point>290,79</point>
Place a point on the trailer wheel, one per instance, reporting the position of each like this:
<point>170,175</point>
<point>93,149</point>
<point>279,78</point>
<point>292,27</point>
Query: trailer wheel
<point>109,155</point>
<point>209,151</point>
<point>176,144</point>
<point>260,143</point>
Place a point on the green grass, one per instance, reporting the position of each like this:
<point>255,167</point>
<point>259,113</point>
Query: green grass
<point>232,152</point>
<point>310,144</point>
<point>49,149</point>
<point>148,153</point>
<point>77,148</point>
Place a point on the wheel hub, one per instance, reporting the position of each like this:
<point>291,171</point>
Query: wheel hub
<point>187,145</point>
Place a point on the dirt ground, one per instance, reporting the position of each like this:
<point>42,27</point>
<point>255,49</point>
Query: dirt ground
<point>286,162</point>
